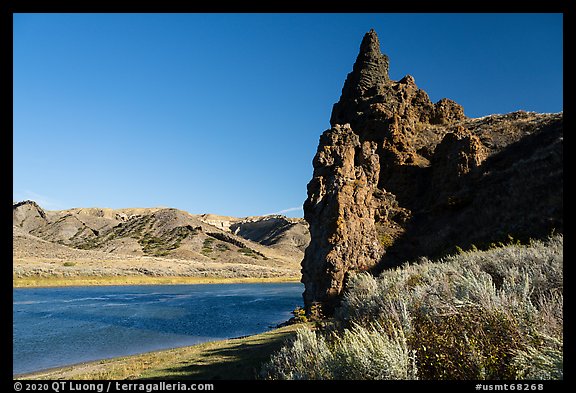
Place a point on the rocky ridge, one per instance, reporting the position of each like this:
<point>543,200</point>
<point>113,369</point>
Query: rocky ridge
<point>397,177</point>
<point>149,234</point>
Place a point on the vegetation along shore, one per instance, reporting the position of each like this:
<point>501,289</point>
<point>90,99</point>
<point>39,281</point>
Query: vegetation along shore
<point>506,302</point>
<point>35,282</point>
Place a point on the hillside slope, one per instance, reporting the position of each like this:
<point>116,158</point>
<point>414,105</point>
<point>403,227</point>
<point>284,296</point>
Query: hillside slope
<point>137,240</point>
<point>290,234</point>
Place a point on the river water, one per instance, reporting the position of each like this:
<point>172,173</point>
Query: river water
<point>54,327</point>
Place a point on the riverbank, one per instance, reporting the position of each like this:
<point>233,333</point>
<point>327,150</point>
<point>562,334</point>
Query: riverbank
<point>232,359</point>
<point>60,281</point>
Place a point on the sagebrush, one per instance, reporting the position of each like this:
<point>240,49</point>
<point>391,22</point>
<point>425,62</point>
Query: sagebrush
<point>494,314</point>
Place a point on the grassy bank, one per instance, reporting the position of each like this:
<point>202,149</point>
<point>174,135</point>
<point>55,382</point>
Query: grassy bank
<point>59,281</point>
<point>232,359</point>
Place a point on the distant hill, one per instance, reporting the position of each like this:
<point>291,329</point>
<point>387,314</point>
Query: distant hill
<point>174,236</point>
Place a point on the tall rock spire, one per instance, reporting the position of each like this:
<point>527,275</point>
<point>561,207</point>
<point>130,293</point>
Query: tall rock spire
<point>397,177</point>
<point>370,68</point>
<point>370,72</point>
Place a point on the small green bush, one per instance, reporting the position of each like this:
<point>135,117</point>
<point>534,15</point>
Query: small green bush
<point>250,252</point>
<point>150,244</point>
<point>385,239</point>
<point>246,251</point>
<point>299,315</point>
<point>207,246</point>
<point>306,357</point>
<point>222,247</point>
<point>468,344</point>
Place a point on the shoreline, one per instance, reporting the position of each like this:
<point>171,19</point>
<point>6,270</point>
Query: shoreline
<point>245,356</point>
<point>54,282</point>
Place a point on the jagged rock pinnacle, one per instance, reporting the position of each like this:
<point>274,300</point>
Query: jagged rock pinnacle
<point>370,47</point>
<point>369,72</point>
<point>398,177</point>
<point>370,68</point>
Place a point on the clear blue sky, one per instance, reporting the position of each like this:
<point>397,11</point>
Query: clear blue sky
<point>221,113</point>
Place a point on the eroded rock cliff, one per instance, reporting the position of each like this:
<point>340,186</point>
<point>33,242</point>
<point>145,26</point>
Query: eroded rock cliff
<point>398,176</point>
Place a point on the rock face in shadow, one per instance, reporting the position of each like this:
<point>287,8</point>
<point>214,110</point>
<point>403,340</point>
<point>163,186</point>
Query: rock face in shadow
<point>274,231</point>
<point>397,177</point>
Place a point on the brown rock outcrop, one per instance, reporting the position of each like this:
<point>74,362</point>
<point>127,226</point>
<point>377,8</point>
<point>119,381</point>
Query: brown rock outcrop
<point>28,215</point>
<point>397,177</point>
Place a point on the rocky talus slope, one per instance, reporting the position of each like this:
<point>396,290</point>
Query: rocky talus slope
<point>397,177</point>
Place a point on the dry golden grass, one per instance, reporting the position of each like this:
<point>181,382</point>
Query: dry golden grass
<point>57,281</point>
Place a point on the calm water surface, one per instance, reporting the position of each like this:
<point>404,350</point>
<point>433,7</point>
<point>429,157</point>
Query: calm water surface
<point>59,326</point>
